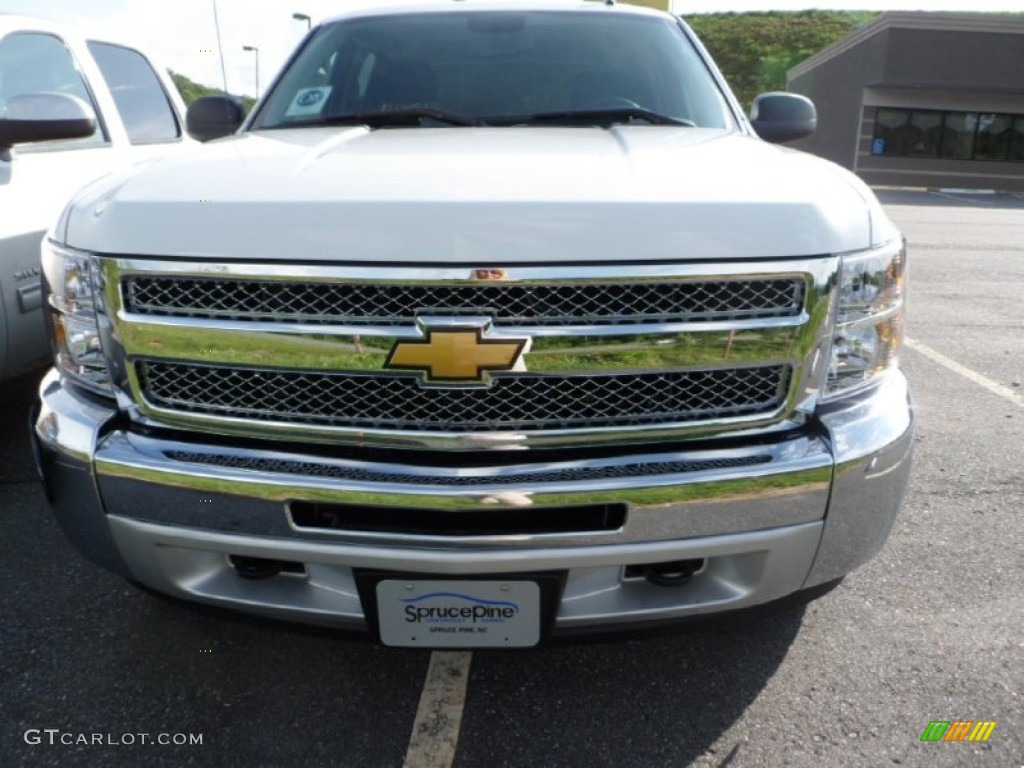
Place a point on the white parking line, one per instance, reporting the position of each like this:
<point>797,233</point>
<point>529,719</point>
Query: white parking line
<point>967,373</point>
<point>957,194</point>
<point>435,732</point>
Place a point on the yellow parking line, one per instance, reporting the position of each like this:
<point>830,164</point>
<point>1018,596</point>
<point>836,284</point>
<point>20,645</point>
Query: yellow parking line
<point>435,732</point>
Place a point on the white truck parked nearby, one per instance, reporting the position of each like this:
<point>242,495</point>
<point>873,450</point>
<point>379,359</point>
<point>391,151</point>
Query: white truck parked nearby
<point>71,109</point>
<point>494,321</point>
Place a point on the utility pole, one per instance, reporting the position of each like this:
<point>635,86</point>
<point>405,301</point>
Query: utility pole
<point>256,51</point>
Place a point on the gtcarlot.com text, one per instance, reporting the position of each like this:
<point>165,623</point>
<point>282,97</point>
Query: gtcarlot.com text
<point>55,736</point>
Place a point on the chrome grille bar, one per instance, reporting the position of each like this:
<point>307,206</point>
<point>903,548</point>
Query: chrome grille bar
<point>343,471</point>
<point>516,304</point>
<point>511,404</point>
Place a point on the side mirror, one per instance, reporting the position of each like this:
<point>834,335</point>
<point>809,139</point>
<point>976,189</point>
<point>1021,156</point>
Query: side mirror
<point>213,117</point>
<point>45,117</point>
<point>780,117</point>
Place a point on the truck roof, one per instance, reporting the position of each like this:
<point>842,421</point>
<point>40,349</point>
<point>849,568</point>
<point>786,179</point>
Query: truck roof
<point>11,22</point>
<point>507,6</point>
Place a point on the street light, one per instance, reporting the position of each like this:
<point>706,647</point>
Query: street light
<point>305,18</point>
<point>256,51</point>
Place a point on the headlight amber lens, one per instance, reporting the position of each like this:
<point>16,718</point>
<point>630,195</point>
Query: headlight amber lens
<point>872,284</point>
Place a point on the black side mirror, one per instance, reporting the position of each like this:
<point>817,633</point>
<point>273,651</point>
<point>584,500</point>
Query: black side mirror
<point>780,117</point>
<point>45,117</point>
<point>213,117</point>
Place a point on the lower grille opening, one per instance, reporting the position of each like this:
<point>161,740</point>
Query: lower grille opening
<point>446,522</point>
<point>674,573</point>
<point>264,568</point>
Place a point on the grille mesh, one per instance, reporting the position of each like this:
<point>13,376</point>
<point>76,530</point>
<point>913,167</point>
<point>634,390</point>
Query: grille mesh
<point>339,472</point>
<point>512,403</point>
<point>510,304</point>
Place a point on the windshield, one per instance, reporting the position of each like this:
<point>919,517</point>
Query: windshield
<point>496,67</point>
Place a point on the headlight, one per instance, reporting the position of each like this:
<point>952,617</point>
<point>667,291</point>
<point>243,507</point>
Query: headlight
<point>869,322</point>
<point>71,298</point>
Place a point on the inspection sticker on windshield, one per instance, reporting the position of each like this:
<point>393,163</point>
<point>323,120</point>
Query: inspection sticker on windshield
<point>459,614</point>
<point>308,101</point>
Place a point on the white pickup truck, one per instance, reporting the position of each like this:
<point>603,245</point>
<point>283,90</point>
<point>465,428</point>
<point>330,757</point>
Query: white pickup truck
<point>494,321</point>
<point>127,111</point>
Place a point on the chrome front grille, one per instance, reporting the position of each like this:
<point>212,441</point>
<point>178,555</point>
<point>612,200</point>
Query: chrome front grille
<point>609,354</point>
<point>516,403</point>
<point>534,304</point>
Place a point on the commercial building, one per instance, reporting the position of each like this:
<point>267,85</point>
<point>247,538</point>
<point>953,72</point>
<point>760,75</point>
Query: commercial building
<point>922,99</point>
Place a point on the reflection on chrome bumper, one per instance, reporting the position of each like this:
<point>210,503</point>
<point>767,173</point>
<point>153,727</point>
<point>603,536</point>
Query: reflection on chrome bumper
<point>766,519</point>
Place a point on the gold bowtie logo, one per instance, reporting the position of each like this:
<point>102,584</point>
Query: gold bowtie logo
<point>456,355</point>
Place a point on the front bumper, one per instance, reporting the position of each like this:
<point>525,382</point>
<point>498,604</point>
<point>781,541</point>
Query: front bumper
<point>767,519</point>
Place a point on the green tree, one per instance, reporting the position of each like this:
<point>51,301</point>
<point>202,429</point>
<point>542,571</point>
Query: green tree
<point>190,91</point>
<point>755,50</point>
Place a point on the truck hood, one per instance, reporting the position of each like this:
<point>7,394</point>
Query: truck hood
<point>478,195</point>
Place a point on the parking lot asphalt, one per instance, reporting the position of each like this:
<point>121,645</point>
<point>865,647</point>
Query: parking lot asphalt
<point>932,629</point>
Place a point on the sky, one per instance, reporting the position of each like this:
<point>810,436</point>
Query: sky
<point>181,34</point>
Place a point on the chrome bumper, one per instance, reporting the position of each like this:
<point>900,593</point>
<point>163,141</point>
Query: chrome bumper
<point>767,519</point>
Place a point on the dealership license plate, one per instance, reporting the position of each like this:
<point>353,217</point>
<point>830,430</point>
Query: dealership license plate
<point>458,614</point>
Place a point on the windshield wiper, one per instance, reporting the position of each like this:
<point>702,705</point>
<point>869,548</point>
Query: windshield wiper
<point>412,116</point>
<point>593,117</point>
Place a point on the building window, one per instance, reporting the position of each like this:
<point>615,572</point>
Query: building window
<point>948,135</point>
<point>958,138</point>
<point>925,134</point>
<point>891,127</point>
<point>993,139</point>
<point>1015,141</point>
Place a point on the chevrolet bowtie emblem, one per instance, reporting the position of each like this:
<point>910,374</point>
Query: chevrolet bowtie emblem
<point>461,355</point>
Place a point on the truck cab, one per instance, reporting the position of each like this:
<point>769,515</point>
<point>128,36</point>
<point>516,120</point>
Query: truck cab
<point>136,114</point>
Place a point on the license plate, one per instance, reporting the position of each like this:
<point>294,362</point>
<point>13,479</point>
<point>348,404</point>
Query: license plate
<point>458,614</point>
